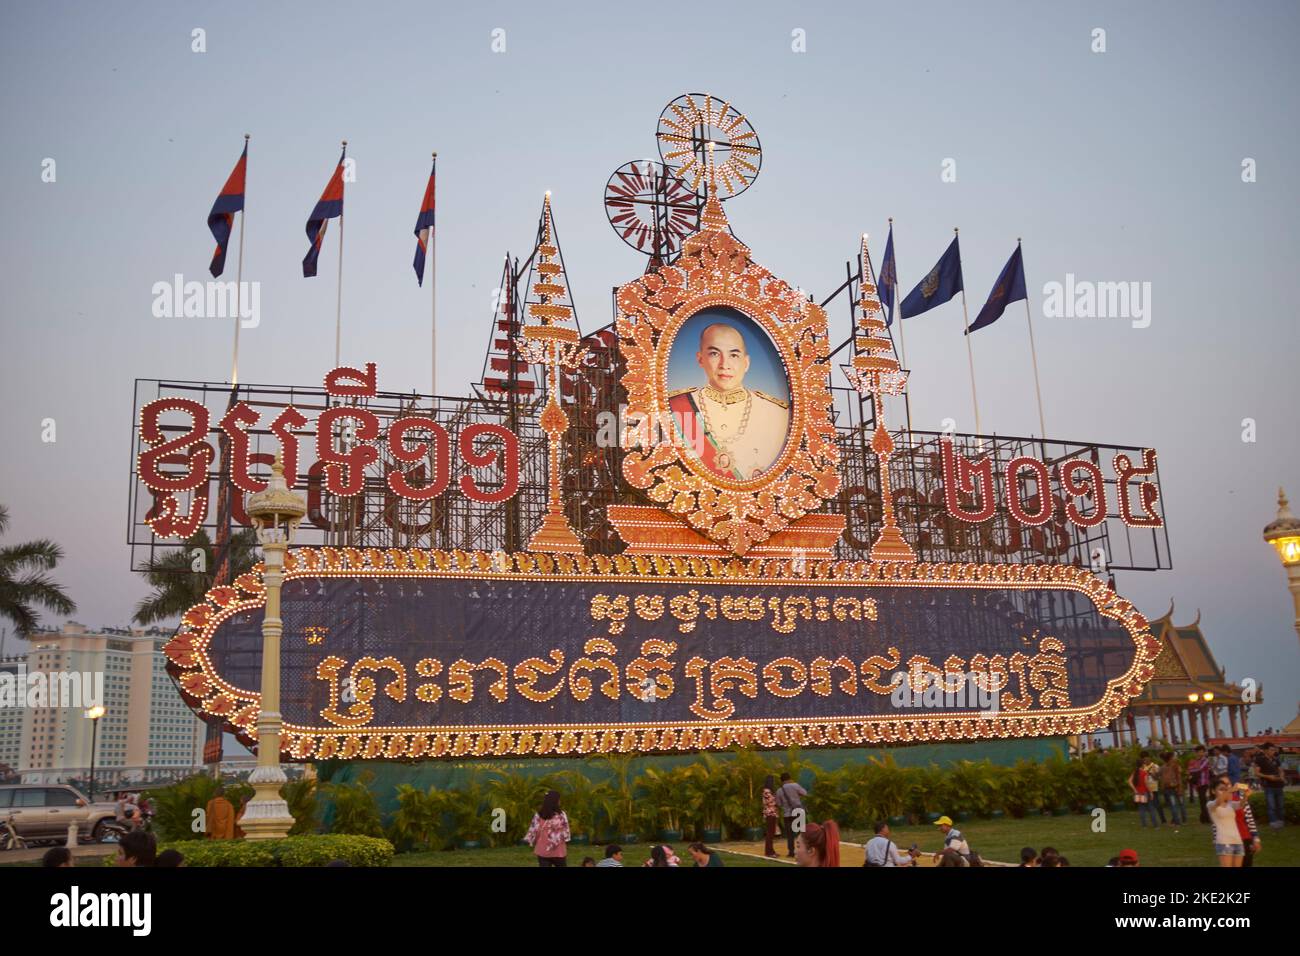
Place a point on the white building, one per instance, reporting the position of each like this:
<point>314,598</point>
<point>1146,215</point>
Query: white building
<point>11,718</point>
<point>145,724</point>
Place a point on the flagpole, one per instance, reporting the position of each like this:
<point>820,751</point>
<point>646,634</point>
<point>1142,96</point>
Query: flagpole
<point>902,346</point>
<point>338,308</point>
<point>897,310</point>
<point>433,295</point>
<point>1033,352</point>
<point>970,354</point>
<point>239,272</point>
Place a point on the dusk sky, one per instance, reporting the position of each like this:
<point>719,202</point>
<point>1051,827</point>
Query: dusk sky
<point>1116,166</point>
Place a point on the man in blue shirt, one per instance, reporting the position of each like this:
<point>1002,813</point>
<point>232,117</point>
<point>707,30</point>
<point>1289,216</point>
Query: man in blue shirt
<point>1234,766</point>
<point>881,850</point>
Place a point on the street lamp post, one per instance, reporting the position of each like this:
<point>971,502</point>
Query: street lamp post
<point>1284,535</point>
<point>93,715</point>
<point>275,514</point>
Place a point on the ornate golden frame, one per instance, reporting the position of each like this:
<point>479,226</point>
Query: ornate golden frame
<point>715,268</point>
<point>211,694</point>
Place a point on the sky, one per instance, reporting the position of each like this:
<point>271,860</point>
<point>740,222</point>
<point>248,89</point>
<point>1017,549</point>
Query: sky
<point>1117,166</point>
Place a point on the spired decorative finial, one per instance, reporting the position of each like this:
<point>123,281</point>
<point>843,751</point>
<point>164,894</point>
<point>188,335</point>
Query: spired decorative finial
<point>556,347</point>
<point>713,218</point>
<point>874,371</point>
<point>276,501</point>
<point>1286,524</point>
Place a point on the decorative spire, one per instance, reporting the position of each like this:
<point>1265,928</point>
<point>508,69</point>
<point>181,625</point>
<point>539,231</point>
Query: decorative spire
<point>876,372</point>
<point>713,218</point>
<point>1285,522</point>
<point>557,346</point>
<point>550,287</point>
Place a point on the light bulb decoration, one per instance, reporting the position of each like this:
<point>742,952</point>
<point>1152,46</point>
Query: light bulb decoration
<point>875,372</point>
<point>551,342</point>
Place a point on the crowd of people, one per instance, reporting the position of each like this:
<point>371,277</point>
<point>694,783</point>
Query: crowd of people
<point>1219,780</point>
<point>137,847</point>
<point>1215,777</point>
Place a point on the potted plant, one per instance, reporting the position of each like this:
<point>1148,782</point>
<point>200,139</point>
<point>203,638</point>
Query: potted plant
<point>418,821</point>
<point>709,786</point>
<point>886,785</point>
<point>1023,788</point>
<point>582,801</point>
<point>471,811</point>
<point>669,799</point>
<point>618,801</point>
<point>519,796</point>
<point>743,809</point>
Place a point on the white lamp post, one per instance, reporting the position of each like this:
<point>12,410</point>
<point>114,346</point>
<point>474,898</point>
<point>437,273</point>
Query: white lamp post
<point>275,513</point>
<point>1284,535</point>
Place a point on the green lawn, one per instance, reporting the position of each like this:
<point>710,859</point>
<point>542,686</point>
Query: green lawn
<point>523,856</point>
<point>1073,836</point>
<point>999,840</point>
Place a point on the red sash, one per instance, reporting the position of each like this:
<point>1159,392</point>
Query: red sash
<point>690,427</point>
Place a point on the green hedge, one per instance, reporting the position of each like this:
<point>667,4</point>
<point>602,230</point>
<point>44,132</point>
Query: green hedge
<point>1290,808</point>
<point>313,850</point>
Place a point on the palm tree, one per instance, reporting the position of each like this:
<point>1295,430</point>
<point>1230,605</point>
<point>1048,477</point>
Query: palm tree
<point>177,588</point>
<point>24,584</point>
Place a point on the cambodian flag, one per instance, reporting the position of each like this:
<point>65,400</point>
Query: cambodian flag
<point>329,207</point>
<point>424,225</point>
<point>229,201</point>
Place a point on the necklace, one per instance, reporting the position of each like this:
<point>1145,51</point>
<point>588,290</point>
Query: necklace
<point>724,447</point>
<point>729,397</point>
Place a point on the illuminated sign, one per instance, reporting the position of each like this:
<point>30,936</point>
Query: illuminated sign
<point>391,653</point>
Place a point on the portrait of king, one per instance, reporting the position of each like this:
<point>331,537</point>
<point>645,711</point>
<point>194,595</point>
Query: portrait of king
<point>735,430</point>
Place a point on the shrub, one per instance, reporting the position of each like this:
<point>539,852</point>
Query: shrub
<point>311,850</point>
<point>174,806</point>
<point>418,821</point>
<point>1290,809</point>
<point>301,796</point>
<point>320,849</point>
<point>1022,788</point>
<point>669,797</point>
<point>973,787</point>
<point>887,786</point>
<point>355,810</point>
<point>619,801</point>
<point>745,773</point>
<point>582,801</point>
<point>710,787</point>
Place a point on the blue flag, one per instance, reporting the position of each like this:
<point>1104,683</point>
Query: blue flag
<point>1009,288</point>
<point>887,281</point>
<point>943,282</point>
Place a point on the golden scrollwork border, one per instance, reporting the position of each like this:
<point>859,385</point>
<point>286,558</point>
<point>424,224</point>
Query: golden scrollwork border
<point>211,695</point>
<point>715,268</point>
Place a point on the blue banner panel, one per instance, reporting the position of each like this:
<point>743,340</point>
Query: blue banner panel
<point>378,663</point>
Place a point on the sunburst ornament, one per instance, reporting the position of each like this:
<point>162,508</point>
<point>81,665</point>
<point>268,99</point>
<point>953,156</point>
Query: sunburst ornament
<point>697,130</point>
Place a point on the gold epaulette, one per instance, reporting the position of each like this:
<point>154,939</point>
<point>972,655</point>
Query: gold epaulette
<point>774,401</point>
<point>680,391</point>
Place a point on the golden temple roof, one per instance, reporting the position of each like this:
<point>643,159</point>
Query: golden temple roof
<point>1185,665</point>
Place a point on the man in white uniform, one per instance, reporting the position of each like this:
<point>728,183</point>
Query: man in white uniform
<point>736,432</point>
